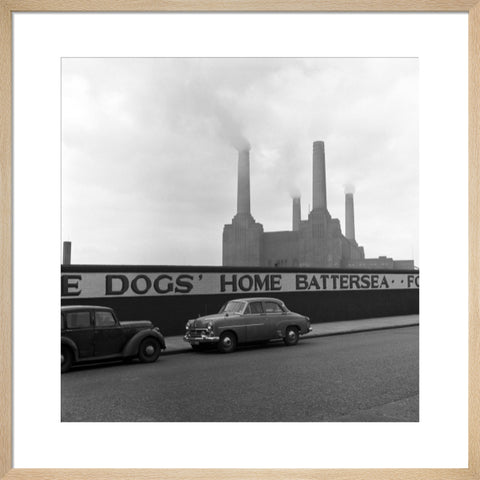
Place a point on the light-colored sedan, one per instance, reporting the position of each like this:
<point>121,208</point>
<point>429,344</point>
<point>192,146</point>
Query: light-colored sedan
<point>246,320</point>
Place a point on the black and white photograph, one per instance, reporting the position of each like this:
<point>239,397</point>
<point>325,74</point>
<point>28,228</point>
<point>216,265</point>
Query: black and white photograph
<point>240,239</point>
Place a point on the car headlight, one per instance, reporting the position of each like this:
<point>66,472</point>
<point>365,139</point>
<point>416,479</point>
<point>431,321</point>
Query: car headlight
<point>209,327</point>
<point>187,326</point>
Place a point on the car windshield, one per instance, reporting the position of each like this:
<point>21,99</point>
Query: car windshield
<point>233,307</point>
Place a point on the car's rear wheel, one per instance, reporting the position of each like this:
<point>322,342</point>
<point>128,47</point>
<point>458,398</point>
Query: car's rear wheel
<point>227,343</point>
<point>291,336</point>
<point>149,350</point>
<point>67,359</point>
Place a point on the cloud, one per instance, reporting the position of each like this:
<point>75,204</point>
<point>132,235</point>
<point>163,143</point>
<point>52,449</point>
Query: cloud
<point>149,160</point>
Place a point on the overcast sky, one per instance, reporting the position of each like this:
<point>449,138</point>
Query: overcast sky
<point>149,158</point>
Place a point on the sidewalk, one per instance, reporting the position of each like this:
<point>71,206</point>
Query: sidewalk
<point>176,344</point>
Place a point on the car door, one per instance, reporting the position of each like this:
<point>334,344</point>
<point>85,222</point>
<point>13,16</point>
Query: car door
<point>273,317</point>
<point>78,327</point>
<point>254,319</point>
<point>109,336</point>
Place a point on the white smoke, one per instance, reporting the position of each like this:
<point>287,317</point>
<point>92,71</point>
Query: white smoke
<point>209,109</point>
<point>231,130</point>
<point>295,192</point>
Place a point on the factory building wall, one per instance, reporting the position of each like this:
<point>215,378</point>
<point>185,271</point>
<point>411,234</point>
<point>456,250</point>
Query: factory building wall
<point>381,262</point>
<point>321,241</point>
<point>242,241</point>
<point>280,249</point>
<point>171,295</point>
<point>355,253</point>
<point>318,242</point>
<point>403,264</point>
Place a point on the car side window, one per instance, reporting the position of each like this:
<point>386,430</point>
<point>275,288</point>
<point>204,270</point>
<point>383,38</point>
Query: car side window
<point>272,307</point>
<point>104,319</point>
<point>256,307</point>
<point>77,319</point>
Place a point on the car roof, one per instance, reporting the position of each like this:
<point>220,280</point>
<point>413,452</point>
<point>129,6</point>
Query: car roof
<point>257,299</point>
<point>68,308</point>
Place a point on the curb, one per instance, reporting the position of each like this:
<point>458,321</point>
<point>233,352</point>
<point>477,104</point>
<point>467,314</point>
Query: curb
<point>188,349</point>
<point>361,330</point>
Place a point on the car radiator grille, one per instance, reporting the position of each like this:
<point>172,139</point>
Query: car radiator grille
<point>196,333</point>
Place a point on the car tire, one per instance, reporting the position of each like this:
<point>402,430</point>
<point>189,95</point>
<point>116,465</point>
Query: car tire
<point>291,336</point>
<point>149,350</point>
<point>227,343</point>
<point>66,359</point>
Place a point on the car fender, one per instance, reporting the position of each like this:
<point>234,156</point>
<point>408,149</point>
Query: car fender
<point>70,343</point>
<point>294,322</point>
<point>239,330</point>
<point>131,348</point>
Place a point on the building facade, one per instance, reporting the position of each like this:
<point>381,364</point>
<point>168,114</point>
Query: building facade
<point>315,242</point>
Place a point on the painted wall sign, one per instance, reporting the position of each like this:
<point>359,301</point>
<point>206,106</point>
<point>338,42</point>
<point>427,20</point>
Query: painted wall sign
<point>104,285</point>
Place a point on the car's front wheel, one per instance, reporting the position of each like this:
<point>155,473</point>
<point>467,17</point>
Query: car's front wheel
<point>291,336</point>
<point>67,359</point>
<point>149,350</point>
<point>227,343</point>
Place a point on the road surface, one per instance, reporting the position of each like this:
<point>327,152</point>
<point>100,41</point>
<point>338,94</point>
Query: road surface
<point>371,376</point>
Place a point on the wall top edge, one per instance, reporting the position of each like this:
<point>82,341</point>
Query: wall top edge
<point>81,268</point>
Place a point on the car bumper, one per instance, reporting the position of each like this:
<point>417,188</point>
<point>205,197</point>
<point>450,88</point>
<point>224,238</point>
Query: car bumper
<point>309,329</point>
<point>200,339</point>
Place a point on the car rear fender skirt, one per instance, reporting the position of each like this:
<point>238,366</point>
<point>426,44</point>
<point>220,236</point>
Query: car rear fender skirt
<point>71,344</point>
<point>131,348</point>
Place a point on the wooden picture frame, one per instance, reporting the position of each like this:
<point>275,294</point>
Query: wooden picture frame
<point>8,7</point>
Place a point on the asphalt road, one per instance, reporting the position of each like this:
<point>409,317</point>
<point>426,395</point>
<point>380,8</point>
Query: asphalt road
<point>371,376</point>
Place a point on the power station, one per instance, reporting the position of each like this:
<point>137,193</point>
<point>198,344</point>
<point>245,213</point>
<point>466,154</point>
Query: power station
<point>315,242</point>
<point>313,268</point>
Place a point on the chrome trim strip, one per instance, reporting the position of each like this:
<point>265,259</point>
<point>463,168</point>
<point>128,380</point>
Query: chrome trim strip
<point>203,338</point>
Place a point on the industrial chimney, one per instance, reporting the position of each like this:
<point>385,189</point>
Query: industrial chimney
<point>296,214</point>
<point>349,217</point>
<point>67,253</point>
<point>319,184</point>
<point>243,192</point>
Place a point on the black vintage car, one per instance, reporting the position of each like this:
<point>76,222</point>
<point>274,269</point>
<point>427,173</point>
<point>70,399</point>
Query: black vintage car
<point>93,333</point>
